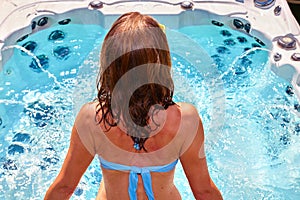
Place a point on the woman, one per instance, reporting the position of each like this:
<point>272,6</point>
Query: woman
<point>134,127</point>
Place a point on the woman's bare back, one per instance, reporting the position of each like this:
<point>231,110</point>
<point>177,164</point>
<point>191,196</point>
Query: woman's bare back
<point>115,183</point>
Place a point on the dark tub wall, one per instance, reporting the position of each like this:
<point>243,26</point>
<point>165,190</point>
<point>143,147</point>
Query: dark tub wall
<point>295,8</point>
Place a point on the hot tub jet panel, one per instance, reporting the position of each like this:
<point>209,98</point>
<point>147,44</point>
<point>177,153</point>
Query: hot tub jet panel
<point>249,16</point>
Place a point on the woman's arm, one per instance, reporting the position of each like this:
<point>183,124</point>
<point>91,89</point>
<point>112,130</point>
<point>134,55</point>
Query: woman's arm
<point>76,162</point>
<point>194,163</point>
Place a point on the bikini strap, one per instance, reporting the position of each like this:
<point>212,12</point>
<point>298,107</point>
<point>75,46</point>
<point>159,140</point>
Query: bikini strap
<point>133,176</point>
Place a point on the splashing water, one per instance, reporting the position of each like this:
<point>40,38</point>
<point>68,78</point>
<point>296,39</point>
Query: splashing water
<point>50,75</point>
<point>243,55</point>
<point>244,156</point>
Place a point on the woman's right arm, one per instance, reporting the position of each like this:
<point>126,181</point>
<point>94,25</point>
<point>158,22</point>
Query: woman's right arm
<point>77,160</point>
<point>194,162</point>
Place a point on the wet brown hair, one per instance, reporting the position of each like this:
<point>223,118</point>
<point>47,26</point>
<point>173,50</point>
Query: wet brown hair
<point>135,74</point>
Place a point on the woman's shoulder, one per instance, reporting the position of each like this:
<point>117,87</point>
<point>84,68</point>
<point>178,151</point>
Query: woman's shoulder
<point>88,108</point>
<point>190,118</point>
<point>182,113</point>
<point>189,125</point>
<point>183,117</point>
<point>85,124</point>
<point>188,110</point>
<point>86,113</point>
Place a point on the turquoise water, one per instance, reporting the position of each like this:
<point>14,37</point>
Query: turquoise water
<point>250,115</point>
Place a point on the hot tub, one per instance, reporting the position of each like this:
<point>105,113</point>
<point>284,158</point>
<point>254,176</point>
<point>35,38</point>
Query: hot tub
<point>236,61</point>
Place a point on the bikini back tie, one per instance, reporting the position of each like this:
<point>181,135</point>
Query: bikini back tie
<point>133,175</point>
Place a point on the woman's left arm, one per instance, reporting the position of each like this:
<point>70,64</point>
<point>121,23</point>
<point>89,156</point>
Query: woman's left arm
<point>75,164</point>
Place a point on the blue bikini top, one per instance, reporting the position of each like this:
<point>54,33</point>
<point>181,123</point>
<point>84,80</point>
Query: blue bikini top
<point>133,176</point>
